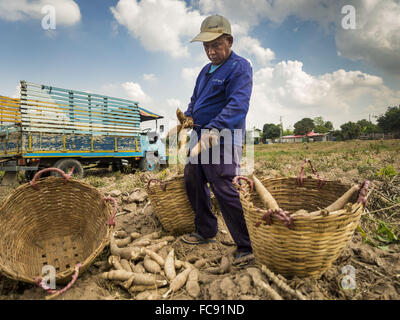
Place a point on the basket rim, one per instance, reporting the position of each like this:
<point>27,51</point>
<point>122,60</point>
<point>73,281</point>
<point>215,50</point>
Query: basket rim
<point>169,179</point>
<point>43,179</point>
<point>309,177</point>
<point>354,206</point>
<point>165,181</point>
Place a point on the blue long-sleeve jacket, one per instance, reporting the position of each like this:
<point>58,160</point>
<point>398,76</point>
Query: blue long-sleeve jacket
<point>220,99</point>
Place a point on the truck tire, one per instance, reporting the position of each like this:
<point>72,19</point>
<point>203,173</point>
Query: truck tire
<point>149,164</point>
<point>29,174</point>
<point>116,167</point>
<point>66,165</point>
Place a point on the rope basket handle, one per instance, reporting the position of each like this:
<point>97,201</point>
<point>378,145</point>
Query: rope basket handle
<point>279,214</point>
<point>162,184</point>
<point>111,221</point>
<point>66,176</point>
<point>300,177</point>
<point>237,179</point>
<point>55,293</point>
<point>362,194</point>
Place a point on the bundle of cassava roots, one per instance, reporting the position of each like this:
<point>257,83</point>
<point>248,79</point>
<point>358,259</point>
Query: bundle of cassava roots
<point>270,203</point>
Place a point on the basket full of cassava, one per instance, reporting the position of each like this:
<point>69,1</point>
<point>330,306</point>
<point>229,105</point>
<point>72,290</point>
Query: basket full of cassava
<point>299,226</point>
<point>171,204</point>
<point>53,227</point>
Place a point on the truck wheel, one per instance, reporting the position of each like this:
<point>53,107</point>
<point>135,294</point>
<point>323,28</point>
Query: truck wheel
<point>149,164</point>
<point>116,167</point>
<point>29,174</point>
<point>66,165</point>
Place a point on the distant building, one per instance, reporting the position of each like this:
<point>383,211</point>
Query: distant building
<point>309,137</point>
<point>256,133</point>
<point>292,139</point>
<point>312,136</point>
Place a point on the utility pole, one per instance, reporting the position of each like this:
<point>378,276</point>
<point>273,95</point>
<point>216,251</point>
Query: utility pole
<point>280,120</point>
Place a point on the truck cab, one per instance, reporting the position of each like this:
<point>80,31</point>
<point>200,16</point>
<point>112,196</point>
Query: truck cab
<point>155,153</point>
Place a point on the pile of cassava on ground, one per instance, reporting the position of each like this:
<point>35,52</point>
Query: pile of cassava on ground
<point>144,263</point>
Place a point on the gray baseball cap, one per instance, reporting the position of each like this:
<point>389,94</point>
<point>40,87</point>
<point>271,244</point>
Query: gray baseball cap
<point>212,27</point>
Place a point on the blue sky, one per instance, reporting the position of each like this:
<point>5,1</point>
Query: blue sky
<point>140,50</point>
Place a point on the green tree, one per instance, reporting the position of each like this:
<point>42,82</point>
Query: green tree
<point>337,134</point>
<point>390,121</point>
<point>329,126</point>
<point>271,131</point>
<point>287,132</point>
<point>304,126</point>
<point>367,127</point>
<point>319,125</point>
<point>350,130</point>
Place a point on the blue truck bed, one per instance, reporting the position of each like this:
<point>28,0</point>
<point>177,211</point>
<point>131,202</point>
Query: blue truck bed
<point>50,122</point>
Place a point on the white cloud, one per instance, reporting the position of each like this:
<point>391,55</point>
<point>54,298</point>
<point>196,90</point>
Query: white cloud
<point>252,46</point>
<point>150,77</point>
<point>174,103</point>
<point>286,90</point>
<point>189,75</point>
<point>323,11</point>
<point>17,93</point>
<point>376,38</point>
<point>67,11</point>
<point>244,13</point>
<point>113,90</point>
<point>176,24</point>
<point>135,92</point>
<point>160,25</point>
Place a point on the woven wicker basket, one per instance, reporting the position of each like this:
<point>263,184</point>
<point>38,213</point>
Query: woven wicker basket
<point>56,221</point>
<point>171,205</point>
<point>303,245</point>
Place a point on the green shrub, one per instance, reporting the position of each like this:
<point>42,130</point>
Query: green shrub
<point>387,172</point>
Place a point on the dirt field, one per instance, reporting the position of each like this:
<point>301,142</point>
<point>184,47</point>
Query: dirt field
<point>373,251</point>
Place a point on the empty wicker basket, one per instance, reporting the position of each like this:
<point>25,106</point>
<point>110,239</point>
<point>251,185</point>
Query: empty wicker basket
<point>56,221</point>
<point>300,245</point>
<point>171,204</point>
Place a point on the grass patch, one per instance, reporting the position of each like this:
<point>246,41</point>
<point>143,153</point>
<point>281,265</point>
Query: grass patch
<point>96,182</point>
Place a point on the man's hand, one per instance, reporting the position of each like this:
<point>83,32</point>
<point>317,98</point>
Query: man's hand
<point>186,122</point>
<point>207,140</point>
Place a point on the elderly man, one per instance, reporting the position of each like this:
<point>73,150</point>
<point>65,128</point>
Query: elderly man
<point>220,102</point>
